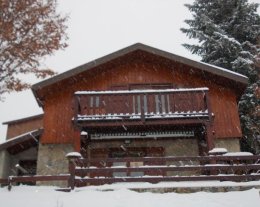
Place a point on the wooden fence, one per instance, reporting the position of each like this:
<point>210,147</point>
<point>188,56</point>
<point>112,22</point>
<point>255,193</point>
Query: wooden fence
<point>157,169</point>
<point>84,172</point>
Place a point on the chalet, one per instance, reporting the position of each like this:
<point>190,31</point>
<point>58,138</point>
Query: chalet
<point>139,101</point>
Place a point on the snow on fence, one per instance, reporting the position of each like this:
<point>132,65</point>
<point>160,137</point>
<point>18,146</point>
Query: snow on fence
<point>84,171</point>
<point>156,169</point>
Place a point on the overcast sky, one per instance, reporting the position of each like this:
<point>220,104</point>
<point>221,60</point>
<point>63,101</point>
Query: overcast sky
<point>99,27</point>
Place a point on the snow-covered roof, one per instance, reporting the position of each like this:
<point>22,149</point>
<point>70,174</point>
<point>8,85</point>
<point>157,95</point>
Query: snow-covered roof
<point>140,47</point>
<point>140,91</point>
<point>18,140</point>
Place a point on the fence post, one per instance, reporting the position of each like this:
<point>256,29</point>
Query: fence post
<point>72,158</point>
<point>9,183</point>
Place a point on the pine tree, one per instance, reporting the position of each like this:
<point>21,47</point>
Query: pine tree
<point>228,33</point>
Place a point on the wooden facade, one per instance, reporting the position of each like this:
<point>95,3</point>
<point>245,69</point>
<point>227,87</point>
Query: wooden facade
<point>24,125</point>
<point>136,69</point>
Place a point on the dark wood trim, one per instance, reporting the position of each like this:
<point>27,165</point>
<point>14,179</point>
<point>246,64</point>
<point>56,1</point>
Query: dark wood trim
<point>188,122</point>
<point>159,169</point>
<point>254,158</point>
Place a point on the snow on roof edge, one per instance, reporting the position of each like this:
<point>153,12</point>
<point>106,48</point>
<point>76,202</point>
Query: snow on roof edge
<point>141,91</point>
<point>223,69</point>
<point>19,136</point>
<point>121,52</point>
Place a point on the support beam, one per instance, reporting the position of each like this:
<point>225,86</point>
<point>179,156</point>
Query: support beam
<point>209,136</point>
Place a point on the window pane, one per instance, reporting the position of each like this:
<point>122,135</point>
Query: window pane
<point>97,101</point>
<point>145,104</point>
<point>91,101</point>
<point>157,104</point>
<point>163,103</point>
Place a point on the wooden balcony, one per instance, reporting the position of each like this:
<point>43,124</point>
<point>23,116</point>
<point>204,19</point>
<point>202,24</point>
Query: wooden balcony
<point>146,107</point>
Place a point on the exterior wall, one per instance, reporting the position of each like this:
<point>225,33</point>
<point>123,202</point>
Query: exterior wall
<point>52,161</point>
<point>59,110</point>
<point>173,147</point>
<point>232,145</point>
<point>18,128</point>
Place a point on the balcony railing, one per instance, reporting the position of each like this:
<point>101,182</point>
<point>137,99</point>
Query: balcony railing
<point>141,105</point>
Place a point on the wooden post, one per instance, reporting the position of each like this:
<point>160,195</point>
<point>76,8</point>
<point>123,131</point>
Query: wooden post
<point>209,125</point>
<point>142,108</point>
<point>209,136</point>
<point>9,183</point>
<point>76,107</point>
<point>72,157</point>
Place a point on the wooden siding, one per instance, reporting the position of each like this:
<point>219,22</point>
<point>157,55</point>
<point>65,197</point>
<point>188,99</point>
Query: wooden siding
<point>17,128</point>
<point>58,106</point>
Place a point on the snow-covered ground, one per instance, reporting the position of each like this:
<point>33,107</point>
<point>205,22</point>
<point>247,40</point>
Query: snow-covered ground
<point>119,195</point>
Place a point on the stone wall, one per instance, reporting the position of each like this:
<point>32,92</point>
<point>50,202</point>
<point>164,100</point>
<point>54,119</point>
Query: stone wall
<point>232,145</point>
<point>4,164</point>
<point>172,147</point>
<point>52,161</point>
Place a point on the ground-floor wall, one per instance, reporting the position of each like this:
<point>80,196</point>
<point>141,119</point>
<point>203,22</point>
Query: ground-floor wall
<point>172,147</point>
<point>153,147</point>
<point>52,161</point>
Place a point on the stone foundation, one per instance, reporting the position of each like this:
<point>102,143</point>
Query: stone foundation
<point>52,161</point>
<point>231,144</point>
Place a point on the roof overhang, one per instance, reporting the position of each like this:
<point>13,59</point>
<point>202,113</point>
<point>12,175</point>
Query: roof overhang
<point>138,46</point>
<point>29,118</point>
<point>22,142</point>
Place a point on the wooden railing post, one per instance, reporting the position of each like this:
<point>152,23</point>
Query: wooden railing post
<point>209,124</point>
<point>76,107</point>
<point>142,107</point>
<point>9,183</point>
<point>208,106</point>
<point>72,158</point>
